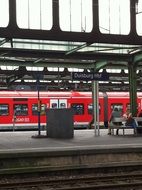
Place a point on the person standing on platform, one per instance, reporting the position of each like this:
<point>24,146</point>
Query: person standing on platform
<point>115,114</point>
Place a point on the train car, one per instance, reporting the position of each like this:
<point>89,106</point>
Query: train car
<point>19,109</point>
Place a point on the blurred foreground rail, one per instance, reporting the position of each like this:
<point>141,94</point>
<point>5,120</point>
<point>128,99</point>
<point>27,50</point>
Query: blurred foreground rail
<point>75,180</point>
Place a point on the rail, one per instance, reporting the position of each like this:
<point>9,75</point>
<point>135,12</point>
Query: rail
<point>120,125</point>
<point>77,182</point>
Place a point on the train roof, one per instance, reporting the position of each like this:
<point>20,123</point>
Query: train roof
<point>12,94</point>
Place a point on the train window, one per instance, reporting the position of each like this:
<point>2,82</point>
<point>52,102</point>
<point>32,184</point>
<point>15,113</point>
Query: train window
<point>4,109</point>
<point>78,109</point>
<point>54,105</point>
<point>90,109</point>
<point>21,109</point>
<point>43,109</point>
<point>62,105</point>
<point>119,106</point>
<point>35,109</point>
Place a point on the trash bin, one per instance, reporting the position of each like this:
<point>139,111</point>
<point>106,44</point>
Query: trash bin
<point>60,123</point>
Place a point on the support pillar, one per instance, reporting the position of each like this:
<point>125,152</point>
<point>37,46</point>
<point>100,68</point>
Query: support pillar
<point>39,107</point>
<point>133,88</point>
<point>95,94</point>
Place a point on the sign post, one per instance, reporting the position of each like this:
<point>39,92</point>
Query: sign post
<point>95,97</point>
<point>38,76</point>
<point>94,77</point>
<point>90,76</point>
<point>39,107</point>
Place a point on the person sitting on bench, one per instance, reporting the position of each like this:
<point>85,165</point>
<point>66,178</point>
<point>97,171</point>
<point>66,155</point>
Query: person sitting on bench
<point>126,114</point>
<point>115,114</point>
<point>139,130</point>
<point>131,122</point>
<point>140,115</point>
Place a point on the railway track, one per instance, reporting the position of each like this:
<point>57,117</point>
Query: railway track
<point>122,181</point>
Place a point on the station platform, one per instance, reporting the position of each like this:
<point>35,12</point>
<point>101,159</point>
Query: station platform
<point>83,139</point>
<point>20,152</point>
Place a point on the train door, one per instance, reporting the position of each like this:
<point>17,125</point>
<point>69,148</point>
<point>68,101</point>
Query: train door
<point>20,113</point>
<point>58,103</point>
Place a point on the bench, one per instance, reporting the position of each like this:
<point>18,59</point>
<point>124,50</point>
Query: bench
<point>122,126</point>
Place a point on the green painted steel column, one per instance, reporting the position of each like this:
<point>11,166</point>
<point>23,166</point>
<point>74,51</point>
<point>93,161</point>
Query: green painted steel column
<point>133,88</point>
<point>95,93</point>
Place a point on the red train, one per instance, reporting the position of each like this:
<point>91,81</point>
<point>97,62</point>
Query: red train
<point>19,109</point>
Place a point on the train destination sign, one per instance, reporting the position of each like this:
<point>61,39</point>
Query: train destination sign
<point>90,76</point>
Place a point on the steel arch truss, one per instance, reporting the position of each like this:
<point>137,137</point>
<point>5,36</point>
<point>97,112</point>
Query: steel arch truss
<point>95,36</point>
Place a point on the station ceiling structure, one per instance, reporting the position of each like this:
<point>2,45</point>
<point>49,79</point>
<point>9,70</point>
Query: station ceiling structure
<point>56,52</point>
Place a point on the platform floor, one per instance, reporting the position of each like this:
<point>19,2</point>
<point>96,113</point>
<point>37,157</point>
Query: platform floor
<point>83,139</point>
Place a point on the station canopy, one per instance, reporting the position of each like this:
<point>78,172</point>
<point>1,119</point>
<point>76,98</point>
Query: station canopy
<point>53,38</point>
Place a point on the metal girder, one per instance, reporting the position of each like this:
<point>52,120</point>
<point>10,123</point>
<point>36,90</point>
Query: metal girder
<point>65,85</point>
<point>95,36</point>
<point>77,48</point>
<point>4,41</point>
<point>64,64</point>
<point>48,54</point>
<point>100,65</point>
<point>137,57</point>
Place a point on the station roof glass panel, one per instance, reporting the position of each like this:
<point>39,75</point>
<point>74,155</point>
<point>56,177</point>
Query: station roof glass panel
<point>34,14</point>
<point>139,17</point>
<point>4,13</point>
<point>76,15</point>
<point>114,16</point>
